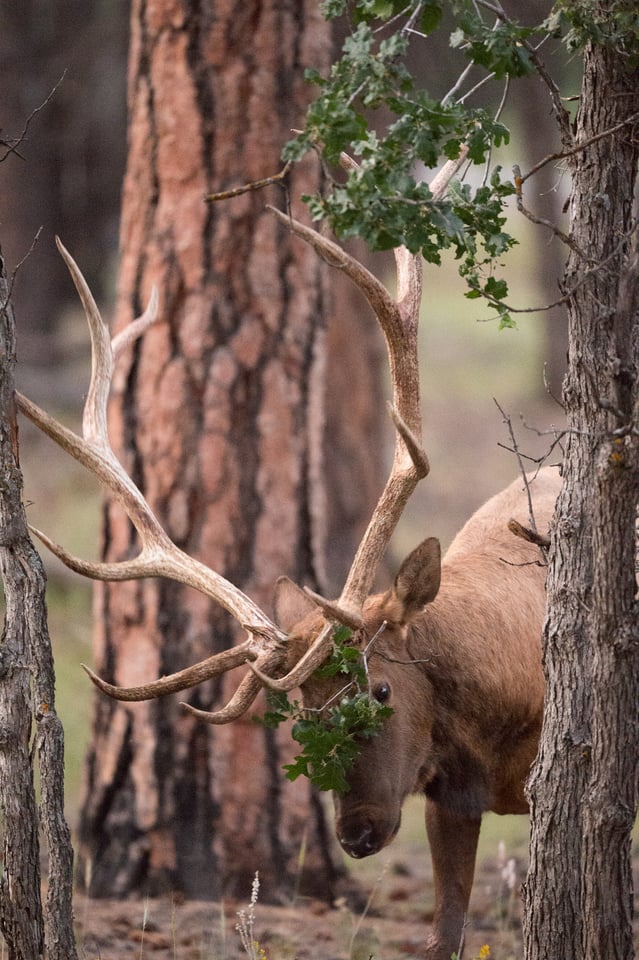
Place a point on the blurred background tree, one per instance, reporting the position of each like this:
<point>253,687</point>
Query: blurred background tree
<point>68,177</point>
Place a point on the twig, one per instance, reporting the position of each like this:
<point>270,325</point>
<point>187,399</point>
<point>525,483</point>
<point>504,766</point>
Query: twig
<point>595,268</point>
<point>548,388</point>
<point>478,86</point>
<point>462,939</point>
<point>14,272</point>
<point>458,84</point>
<point>13,144</point>
<point>366,909</point>
<point>508,422</point>
<point>583,145</point>
<point>540,221</point>
<point>558,436</point>
<point>253,185</point>
<point>407,28</point>
<point>500,108</point>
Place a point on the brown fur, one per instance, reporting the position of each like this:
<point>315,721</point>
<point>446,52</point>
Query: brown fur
<point>463,662</point>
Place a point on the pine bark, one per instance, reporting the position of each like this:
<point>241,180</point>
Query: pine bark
<point>584,787</point>
<point>218,416</point>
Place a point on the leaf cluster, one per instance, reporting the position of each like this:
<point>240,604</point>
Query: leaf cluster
<point>330,738</point>
<point>371,108</point>
<point>499,46</point>
<point>587,22</point>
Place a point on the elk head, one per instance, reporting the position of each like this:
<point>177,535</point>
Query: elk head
<point>368,814</point>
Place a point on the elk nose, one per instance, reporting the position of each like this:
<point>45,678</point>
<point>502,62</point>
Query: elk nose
<point>360,843</point>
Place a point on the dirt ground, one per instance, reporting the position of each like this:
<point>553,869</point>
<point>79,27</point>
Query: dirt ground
<point>394,926</point>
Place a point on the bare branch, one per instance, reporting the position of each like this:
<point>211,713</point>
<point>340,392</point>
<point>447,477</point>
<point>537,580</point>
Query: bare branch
<point>527,534</point>
<point>578,147</point>
<point>14,272</point>
<point>253,185</point>
<point>14,142</point>
<point>508,422</point>
<point>517,177</point>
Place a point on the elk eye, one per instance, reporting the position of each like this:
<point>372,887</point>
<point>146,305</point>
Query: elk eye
<point>382,692</point>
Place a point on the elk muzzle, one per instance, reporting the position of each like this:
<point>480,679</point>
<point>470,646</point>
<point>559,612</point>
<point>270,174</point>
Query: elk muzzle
<point>364,833</point>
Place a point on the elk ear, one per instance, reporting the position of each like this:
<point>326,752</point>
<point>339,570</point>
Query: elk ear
<point>417,582</point>
<point>290,604</point>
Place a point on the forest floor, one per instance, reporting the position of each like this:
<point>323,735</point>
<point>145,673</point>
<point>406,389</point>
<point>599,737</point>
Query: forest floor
<point>394,926</point>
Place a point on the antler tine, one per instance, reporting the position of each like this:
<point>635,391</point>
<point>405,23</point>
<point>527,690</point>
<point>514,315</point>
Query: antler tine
<point>398,321</point>
<point>245,694</point>
<point>213,666</point>
<point>239,703</point>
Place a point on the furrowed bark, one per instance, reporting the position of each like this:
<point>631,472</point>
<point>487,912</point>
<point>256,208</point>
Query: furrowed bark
<point>27,700</point>
<point>218,417</point>
<point>583,788</point>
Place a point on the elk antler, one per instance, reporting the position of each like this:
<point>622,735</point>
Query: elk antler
<point>265,649</point>
<point>159,556</point>
<point>399,320</point>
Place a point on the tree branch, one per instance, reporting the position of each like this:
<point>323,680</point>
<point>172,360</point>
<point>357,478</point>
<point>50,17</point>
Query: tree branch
<point>14,142</point>
<point>583,145</point>
<point>253,185</point>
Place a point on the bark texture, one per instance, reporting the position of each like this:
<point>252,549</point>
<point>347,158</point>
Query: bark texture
<point>584,787</point>
<point>27,701</point>
<point>218,416</point>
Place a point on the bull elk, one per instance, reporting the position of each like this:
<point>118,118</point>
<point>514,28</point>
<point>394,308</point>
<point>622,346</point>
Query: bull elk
<point>458,658</point>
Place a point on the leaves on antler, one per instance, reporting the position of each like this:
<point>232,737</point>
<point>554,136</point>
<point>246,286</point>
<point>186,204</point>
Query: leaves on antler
<point>329,736</point>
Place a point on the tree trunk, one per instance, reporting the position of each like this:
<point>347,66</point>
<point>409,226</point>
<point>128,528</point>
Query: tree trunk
<point>218,415</point>
<point>583,789</point>
<point>27,695</point>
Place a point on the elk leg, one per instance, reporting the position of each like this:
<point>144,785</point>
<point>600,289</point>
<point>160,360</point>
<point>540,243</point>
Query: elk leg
<point>453,846</point>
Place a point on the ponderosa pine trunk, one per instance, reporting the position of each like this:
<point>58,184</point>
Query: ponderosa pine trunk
<point>584,786</point>
<point>218,416</point>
